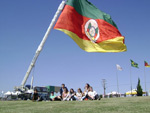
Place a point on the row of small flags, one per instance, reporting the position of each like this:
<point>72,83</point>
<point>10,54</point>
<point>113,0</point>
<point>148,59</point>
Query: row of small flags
<point>133,64</point>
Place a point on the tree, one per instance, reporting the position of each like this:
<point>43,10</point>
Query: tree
<point>139,89</point>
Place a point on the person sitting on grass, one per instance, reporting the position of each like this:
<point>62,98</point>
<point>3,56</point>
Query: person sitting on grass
<point>36,97</point>
<point>65,94</point>
<point>52,96</point>
<point>63,97</point>
<point>62,94</point>
<point>79,94</point>
<point>92,95</point>
<point>71,95</point>
<point>86,90</point>
<point>57,98</point>
<point>62,89</point>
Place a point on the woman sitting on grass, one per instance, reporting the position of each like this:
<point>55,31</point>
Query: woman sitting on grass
<point>63,97</point>
<point>86,90</point>
<point>79,94</point>
<point>71,95</point>
<point>65,94</point>
<point>92,95</point>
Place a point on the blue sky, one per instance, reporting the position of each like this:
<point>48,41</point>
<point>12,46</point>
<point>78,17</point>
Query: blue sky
<point>24,23</point>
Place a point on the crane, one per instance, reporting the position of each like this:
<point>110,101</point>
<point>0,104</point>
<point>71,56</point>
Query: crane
<point>22,88</point>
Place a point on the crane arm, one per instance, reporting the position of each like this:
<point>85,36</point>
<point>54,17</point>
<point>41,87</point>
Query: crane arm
<point>39,49</point>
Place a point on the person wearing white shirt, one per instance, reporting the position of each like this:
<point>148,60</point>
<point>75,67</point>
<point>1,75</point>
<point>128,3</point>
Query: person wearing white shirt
<point>79,95</point>
<point>92,95</point>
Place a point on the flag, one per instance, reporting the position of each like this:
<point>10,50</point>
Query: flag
<point>146,64</point>
<point>119,67</point>
<point>92,29</point>
<point>133,64</point>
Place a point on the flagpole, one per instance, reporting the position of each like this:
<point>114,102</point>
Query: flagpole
<point>145,80</point>
<point>117,81</point>
<point>40,47</point>
<point>131,80</point>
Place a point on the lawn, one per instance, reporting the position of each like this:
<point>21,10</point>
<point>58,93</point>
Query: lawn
<point>111,105</point>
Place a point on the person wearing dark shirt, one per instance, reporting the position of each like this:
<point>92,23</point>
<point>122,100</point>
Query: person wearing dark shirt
<point>62,89</point>
<point>35,95</point>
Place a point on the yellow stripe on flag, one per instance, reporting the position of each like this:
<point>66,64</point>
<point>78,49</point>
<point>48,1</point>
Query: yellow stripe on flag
<point>111,45</point>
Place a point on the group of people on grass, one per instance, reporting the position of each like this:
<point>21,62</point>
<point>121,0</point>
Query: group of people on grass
<point>71,95</point>
<point>65,95</point>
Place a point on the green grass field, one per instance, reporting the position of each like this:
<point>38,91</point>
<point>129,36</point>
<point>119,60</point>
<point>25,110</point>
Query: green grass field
<point>111,105</point>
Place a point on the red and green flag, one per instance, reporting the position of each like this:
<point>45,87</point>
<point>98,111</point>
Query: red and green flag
<point>92,29</point>
<point>133,64</point>
<point>146,64</point>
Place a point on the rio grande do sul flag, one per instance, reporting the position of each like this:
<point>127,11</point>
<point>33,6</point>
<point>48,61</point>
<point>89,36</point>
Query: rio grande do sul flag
<point>92,29</point>
<point>146,64</point>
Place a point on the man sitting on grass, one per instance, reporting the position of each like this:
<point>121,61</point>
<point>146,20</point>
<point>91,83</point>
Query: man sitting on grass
<point>36,97</point>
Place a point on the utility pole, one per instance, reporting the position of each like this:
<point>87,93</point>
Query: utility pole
<point>104,86</point>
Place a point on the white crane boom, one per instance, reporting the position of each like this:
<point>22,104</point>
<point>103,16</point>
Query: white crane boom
<point>39,49</point>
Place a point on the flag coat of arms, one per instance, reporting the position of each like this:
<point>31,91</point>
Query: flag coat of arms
<point>146,64</point>
<point>92,29</point>
<point>133,64</point>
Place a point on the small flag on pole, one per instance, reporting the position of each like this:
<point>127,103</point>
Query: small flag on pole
<point>92,29</point>
<point>133,64</point>
<point>119,67</point>
<point>146,64</point>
